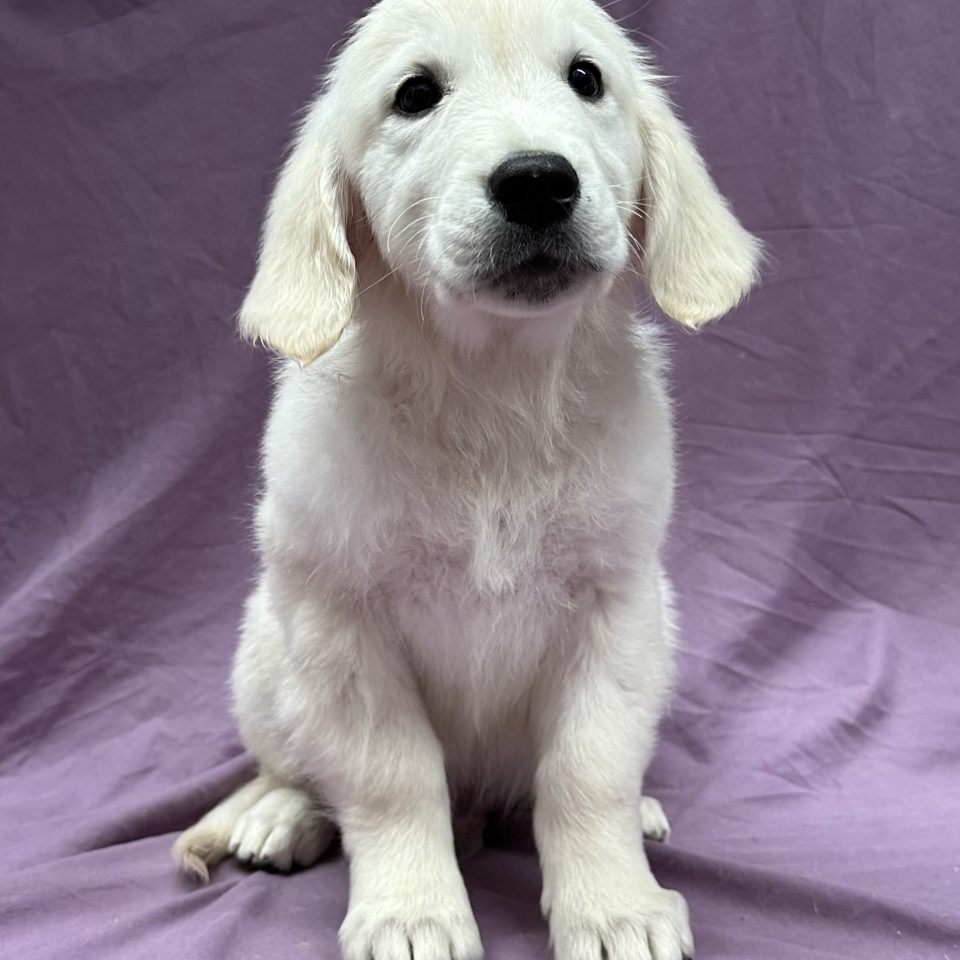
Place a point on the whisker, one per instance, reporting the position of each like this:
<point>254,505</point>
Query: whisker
<point>370,286</point>
<point>426,216</point>
<point>400,215</point>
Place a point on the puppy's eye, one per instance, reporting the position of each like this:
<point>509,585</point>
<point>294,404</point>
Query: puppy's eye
<point>586,79</point>
<point>417,95</point>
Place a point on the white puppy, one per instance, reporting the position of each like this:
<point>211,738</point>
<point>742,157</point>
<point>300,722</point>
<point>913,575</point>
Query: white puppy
<point>462,599</point>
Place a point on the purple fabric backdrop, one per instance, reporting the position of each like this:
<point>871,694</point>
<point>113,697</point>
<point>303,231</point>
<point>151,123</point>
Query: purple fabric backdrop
<point>810,762</point>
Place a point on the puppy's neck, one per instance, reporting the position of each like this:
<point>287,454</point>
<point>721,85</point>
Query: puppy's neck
<point>502,394</point>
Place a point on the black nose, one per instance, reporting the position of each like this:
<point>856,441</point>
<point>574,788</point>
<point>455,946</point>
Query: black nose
<point>535,189</point>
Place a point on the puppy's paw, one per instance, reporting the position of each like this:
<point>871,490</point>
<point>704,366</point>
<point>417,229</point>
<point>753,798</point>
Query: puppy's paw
<point>654,821</point>
<point>283,829</point>
<point>654,925</point>
<point>438,927</point>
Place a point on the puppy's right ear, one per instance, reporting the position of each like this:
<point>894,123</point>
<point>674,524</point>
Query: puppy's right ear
<point>302,294</point>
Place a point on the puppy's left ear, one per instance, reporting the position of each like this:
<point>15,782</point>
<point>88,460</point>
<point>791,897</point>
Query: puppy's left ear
<point>699,261</point>
<point>302,295</point>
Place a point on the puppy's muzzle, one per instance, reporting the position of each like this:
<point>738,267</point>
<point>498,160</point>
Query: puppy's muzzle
<point>535,189</point>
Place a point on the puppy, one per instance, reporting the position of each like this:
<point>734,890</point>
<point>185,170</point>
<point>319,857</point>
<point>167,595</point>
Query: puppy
<point>461,598</point>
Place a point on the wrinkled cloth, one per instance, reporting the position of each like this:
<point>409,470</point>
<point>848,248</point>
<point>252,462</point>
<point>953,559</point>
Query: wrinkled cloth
<point>809,762</point>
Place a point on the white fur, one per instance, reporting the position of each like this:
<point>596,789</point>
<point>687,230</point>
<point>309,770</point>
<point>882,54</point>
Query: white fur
<point>462,599</point>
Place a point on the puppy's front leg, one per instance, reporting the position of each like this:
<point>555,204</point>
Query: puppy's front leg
<point>597,718</point>
<point>369,746</point>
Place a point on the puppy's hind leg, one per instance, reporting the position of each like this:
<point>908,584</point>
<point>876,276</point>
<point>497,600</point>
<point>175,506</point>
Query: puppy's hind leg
<point>264,824</point>
<point>284,829</point>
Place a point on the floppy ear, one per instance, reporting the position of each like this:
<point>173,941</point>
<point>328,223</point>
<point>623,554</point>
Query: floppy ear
<point>699,261</point>
<point>302,294</point>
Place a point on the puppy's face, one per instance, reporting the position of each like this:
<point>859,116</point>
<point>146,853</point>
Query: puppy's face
<point>500,162</point>
<point>502,155</point>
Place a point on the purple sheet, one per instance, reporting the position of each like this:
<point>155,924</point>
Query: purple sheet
<point>810,761</point>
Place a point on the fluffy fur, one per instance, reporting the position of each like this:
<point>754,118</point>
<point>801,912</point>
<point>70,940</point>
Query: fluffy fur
<point>461,599</point>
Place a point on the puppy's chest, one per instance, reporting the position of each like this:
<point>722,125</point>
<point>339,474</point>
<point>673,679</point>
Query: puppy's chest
<point>481,597</point>
<point>478,544</point>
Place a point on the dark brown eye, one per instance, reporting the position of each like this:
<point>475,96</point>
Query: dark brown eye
<point>417,95</point>
<point>586,79</point>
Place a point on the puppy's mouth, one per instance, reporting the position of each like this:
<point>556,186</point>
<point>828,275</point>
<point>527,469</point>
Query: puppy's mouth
<point>534,275</point>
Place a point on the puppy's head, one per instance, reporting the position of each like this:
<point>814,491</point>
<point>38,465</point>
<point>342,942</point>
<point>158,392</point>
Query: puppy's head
<point>505,159</point>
